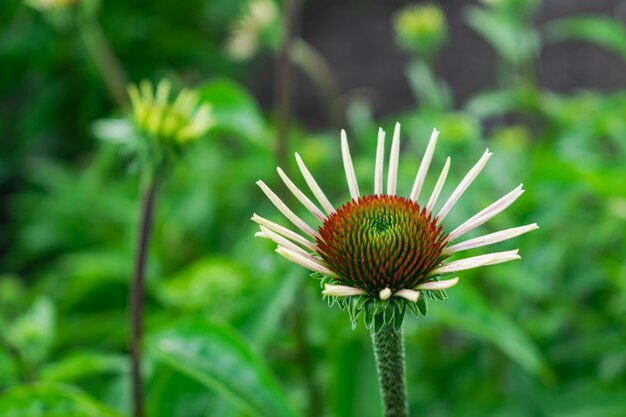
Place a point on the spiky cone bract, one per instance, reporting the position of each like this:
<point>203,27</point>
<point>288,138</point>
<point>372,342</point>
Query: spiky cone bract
<point>379,254</point>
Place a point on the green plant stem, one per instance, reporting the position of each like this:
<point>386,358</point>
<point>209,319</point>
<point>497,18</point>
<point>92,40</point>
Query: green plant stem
<point>137,297</point>
<point>104,59</point>
<point>389,353</point>
<point>317,68</point>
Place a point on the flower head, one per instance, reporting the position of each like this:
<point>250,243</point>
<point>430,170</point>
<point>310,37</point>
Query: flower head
<point>181,120</point>
<point>421,28</point>
<point>257,27</point>
<point>379,252</point>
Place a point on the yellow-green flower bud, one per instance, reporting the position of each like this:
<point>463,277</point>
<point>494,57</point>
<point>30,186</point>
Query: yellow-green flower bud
<point>421,28</point>
<point>181,120</point>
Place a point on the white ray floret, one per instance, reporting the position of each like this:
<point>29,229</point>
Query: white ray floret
<point>287,244</point>
<point>297,221</point>
<point>463,185</point>
<point>306,202</point>
<point>347,166</point>
<point>315,188</point>
<point>438,186</point>
<point>394,156</point>
<point>491,238</point>
<point>423,169</point>
<point>407,294</point>
<point>283,231</point>
<point>486,214</point>
<point>380,156</point>
<point>342,290</point>
<point>315,266</point>
<point>438,285</point>
<point>385,294</point>
<point>477,261</point>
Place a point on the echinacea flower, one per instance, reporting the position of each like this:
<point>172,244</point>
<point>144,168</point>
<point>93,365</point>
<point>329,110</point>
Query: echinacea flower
<point>184,119</point>
<point>379,252</point>
<point>258,27</point>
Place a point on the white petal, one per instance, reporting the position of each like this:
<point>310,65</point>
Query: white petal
<point>392,173</point>
<point>315,189</point>
<point>302,261</point>
<point>407,294</point>
<point>342,290</point>
<point>491,238</point>
<point>306,202</point>
<point>385,294</point>
<point>423,169</point>
<point>466,182</point>
<point>283,231</point>
<point>380,156</point>
<point>287,244</point>
<point>437,190</point>
<point>477,261</point>
<point>290,215</point>
<point>486,214</point>
<point>438,285</point>
<point>347,166</point>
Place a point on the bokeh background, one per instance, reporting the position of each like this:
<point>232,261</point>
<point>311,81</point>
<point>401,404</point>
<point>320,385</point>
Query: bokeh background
<point>233,329</point>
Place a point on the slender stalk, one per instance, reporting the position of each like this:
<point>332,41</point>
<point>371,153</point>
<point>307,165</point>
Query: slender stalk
<point>389,353</point>
<point>104,59</point>
<point>137,297</point>
<point>311,62</point>
<point>283,82</point>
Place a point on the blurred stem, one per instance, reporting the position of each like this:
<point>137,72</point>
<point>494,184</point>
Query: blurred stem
<point>311,62</point>
<point>389,353</point>
<point>137,296</point>
<point>104,59</point>
<point>282,82</point>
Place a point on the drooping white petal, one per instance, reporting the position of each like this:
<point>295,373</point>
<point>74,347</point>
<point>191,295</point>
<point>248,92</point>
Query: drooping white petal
<point>302,261</point>
<point>287,244</point>
<point>486,214</point>
<point>342,290</point>
<point>392,173</point>
<point>347,166</point>
<point>407,294</point>
<point>385,294</point>
<point>283,231</point>
<point>439,285</point>
<point>491,238</point>
<point>476,262</point>
<point>306,202</point>
<point>423,169</point>
<point>315,188</point>
<point>438,186</point>
<point>290,215</point>
<point>464,184</point>
<point>380,155</point>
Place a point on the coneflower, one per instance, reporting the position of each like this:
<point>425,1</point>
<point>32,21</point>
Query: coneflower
<point>379,253</point>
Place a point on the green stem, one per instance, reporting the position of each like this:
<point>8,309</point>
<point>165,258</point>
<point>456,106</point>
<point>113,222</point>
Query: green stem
<point>317,68</point>
<point>389,353</point>
<point>104,59</point>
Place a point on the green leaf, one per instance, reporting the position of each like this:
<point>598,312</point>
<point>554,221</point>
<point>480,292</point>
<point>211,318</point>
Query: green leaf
<point>50,400</point>
<point>234,110</point>
<point>217,357</point>
<point>431,92</point>
<point>514,42</point>
<point>80,365</point>
<point>606,32</point>
<point>466,310</point>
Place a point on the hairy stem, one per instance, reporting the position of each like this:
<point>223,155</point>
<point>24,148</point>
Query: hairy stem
<point>389,353</point>
<point>137,298</point>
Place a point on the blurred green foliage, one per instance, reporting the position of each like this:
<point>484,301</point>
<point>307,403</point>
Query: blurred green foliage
<point>235,330</point>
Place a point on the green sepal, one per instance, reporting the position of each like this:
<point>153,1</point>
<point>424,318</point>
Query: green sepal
<point>379,321</point>
<point>398,317</point>
<point>422,305</point>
